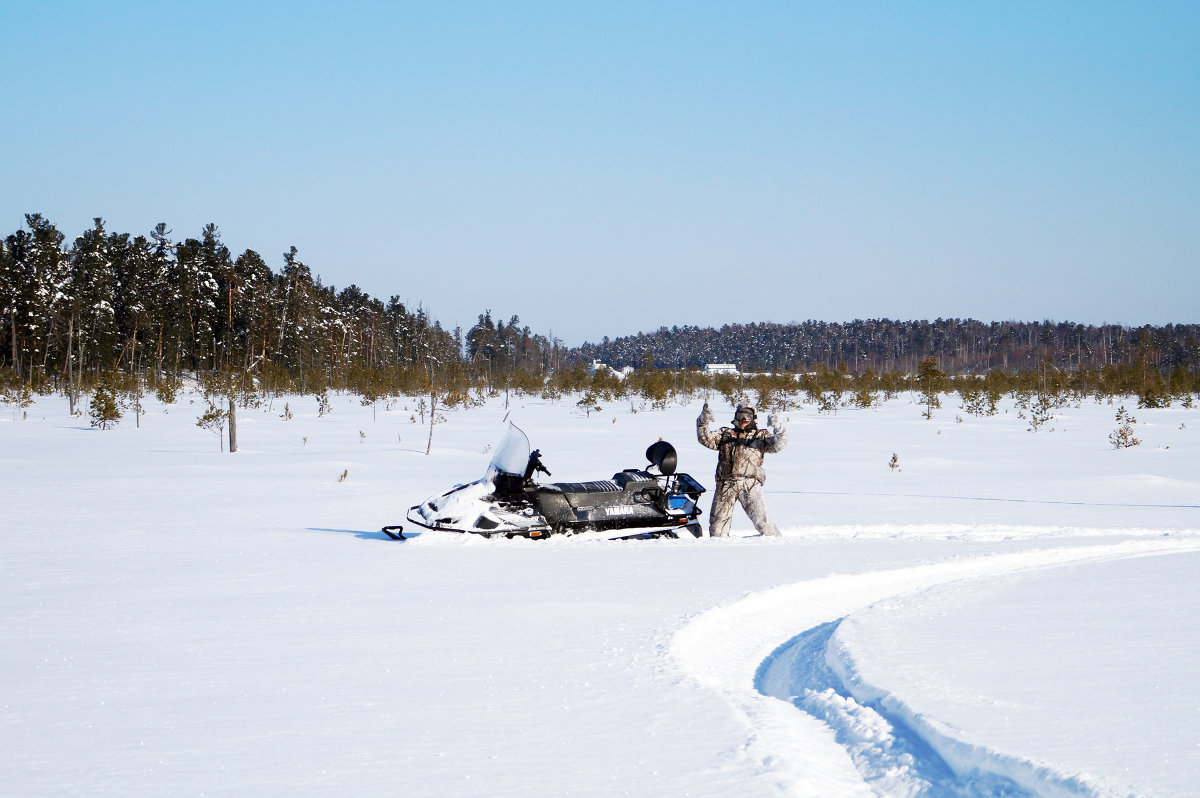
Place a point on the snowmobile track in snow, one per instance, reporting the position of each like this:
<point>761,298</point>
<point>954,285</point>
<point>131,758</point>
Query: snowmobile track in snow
<point>765,654</point>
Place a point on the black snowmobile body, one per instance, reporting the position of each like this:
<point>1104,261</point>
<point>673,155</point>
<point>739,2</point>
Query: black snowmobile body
<point>652,501</point>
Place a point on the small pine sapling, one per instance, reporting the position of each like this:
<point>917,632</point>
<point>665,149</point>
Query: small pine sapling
<point>894,463</point>
<point>864,398</point>
<point>166,389</point>
<point>20,397</point>
<point>1035,408</point>
<point>213,419</point>
<point>929,381</point>
<point>589,404</point>
<point>104,411</point>
<point>132,400</point>
<point>1122,437</point>
<point>979,401</point>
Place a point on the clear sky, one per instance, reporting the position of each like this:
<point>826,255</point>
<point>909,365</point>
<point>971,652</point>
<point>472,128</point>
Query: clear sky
<point>603,168</point>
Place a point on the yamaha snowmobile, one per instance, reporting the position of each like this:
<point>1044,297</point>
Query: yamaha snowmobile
<point>653,501</point>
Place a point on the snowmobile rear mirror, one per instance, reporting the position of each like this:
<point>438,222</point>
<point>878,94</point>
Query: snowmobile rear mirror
<point>662,454</point>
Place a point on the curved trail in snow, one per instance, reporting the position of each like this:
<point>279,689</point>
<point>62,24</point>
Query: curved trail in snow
<point>765,655</point>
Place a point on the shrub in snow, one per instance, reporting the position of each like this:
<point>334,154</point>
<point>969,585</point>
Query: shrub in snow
<point>1122,437</point>
<point>213,419</point>
<point>20,396</point>
<point>104,410</point>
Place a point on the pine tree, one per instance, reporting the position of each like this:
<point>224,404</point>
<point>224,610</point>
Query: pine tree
<point>93,306</point>
<point>165,313</point>
<point>589,404</point>
<point>213,419</point>
<point>11,279</point>
<point>203,261</point>
<point>139,278</point>
<point>930,380</point>
<point>297,315</point>
<point>253,308</point>
<point>19,396</point>
<point>105,411</point>
<point>1122,437</point>
<point>43,299</point>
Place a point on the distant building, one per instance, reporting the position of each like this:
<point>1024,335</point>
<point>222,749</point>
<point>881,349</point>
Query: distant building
<point>598,365</point>
<point>720,368</point>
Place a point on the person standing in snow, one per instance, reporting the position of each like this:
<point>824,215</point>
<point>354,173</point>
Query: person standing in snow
<point>740,474</point>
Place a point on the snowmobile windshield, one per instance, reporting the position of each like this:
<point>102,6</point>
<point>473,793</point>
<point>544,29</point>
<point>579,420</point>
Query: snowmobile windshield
<point>512,455</point>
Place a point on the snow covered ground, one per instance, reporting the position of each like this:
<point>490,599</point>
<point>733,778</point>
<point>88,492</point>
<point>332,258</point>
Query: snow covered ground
<point>1007,613</point>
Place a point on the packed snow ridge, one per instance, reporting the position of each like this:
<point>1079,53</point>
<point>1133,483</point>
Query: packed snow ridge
<point>849,737</point>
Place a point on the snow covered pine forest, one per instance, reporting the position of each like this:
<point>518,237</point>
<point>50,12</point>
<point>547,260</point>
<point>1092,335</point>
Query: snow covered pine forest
<point>958,607</point>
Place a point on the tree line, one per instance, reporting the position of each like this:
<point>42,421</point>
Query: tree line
<point>960,346</point>
<point>128,311</point>
<point>151,307</point>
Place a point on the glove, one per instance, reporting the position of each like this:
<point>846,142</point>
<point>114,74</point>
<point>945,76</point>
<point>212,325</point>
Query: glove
<point>706,415</point>
<point>774,422</point>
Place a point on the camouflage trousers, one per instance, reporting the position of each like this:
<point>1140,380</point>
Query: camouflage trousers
<point>749,494</point>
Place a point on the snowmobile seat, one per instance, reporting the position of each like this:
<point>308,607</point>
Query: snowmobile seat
<point>633,479</point>
<point>596,486</point>
<point>619,491</point>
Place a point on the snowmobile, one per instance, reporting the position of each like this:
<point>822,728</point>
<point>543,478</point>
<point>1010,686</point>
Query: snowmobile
<point>653,501</point>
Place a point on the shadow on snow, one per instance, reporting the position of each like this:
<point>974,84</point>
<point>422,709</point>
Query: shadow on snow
<point>891,756</point>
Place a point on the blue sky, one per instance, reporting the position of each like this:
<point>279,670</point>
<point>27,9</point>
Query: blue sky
<point>599,169</point>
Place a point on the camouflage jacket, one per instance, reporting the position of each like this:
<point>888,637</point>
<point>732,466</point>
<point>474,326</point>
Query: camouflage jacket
<point>740,454</point>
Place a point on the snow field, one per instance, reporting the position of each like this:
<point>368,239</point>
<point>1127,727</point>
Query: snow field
<point>743,651</point>
<point>1127,666</point>
<point>178,621</point>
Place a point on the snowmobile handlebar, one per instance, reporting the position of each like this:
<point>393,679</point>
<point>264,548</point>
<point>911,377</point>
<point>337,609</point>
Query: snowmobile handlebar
<point>535,465</point>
